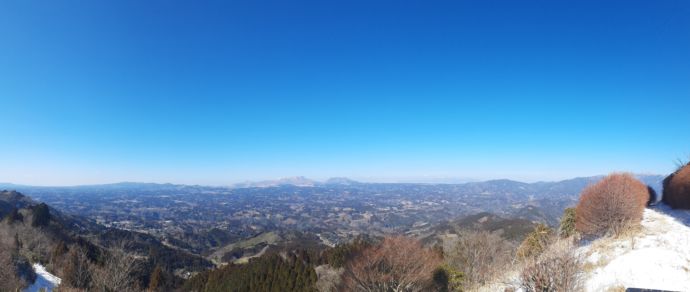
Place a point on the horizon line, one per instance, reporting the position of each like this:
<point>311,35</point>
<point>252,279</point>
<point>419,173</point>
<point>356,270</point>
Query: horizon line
<point>431,181</point>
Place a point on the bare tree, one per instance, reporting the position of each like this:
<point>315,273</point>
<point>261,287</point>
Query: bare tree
<point>480,256</point>
<point>77,272</point>
<point>611,205</point>
<point>398,263</point>
<point>34,243</point>
<point>117,272</point>
<point>8,274</point>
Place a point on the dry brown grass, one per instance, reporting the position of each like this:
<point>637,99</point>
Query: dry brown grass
<point>677,188</point>
<point>616,289</point>
<point>611,205</point>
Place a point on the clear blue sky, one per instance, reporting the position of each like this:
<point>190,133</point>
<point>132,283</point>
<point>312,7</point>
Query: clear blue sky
<point>215,92</point>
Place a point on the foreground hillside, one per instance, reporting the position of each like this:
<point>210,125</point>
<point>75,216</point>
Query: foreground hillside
<point>655,257</point>
<point>39,244</point>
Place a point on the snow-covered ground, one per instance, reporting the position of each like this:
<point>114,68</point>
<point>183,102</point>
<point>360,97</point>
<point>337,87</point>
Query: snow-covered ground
<point>658,257</point>
<point>44,280</point>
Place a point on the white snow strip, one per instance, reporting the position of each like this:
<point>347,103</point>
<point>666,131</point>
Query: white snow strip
<point>44,280</point>
<point>656,258</point>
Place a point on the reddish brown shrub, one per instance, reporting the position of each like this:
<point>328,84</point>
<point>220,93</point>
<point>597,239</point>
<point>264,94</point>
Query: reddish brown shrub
<point>396,264</point>
<point>677,188</point>
<point>611,205</point>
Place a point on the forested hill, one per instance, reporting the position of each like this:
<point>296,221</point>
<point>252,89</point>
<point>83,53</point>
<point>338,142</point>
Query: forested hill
<point>83,253</point>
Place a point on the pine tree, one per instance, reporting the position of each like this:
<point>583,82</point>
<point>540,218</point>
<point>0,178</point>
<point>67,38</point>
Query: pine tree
<point>17,243</point>
<point>265,274</point>
<point>59,249</point>
<point>14,216</point>
<point>41,216</point>
<point>567,227</point>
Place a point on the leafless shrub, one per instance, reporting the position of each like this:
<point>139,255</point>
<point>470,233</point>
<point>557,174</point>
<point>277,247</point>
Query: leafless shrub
<point>480,256</point>
<point>611,205</point>
<point>557,269</point>
<point>329,278</point>
<point>398,263</point>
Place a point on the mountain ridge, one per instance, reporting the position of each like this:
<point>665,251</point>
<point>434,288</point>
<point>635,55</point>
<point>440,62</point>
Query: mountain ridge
<point>302,181</point>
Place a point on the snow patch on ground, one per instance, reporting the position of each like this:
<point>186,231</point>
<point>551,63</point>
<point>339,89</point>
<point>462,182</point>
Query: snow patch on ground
<point>44,280</point>
<point>658,257</point>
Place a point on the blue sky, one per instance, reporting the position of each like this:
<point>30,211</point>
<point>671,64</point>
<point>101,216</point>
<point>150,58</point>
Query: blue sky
<point>216,92</point>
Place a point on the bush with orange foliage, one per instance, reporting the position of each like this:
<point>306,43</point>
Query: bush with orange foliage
<point>398,263</point>
<point>611,205</point>
<point>677,188</point>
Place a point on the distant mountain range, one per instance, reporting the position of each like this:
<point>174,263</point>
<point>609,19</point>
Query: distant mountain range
<point>298,181</point>
<point>563,186</point>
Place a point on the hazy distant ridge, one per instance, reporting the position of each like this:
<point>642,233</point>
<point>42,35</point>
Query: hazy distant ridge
<point>300,181</point>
